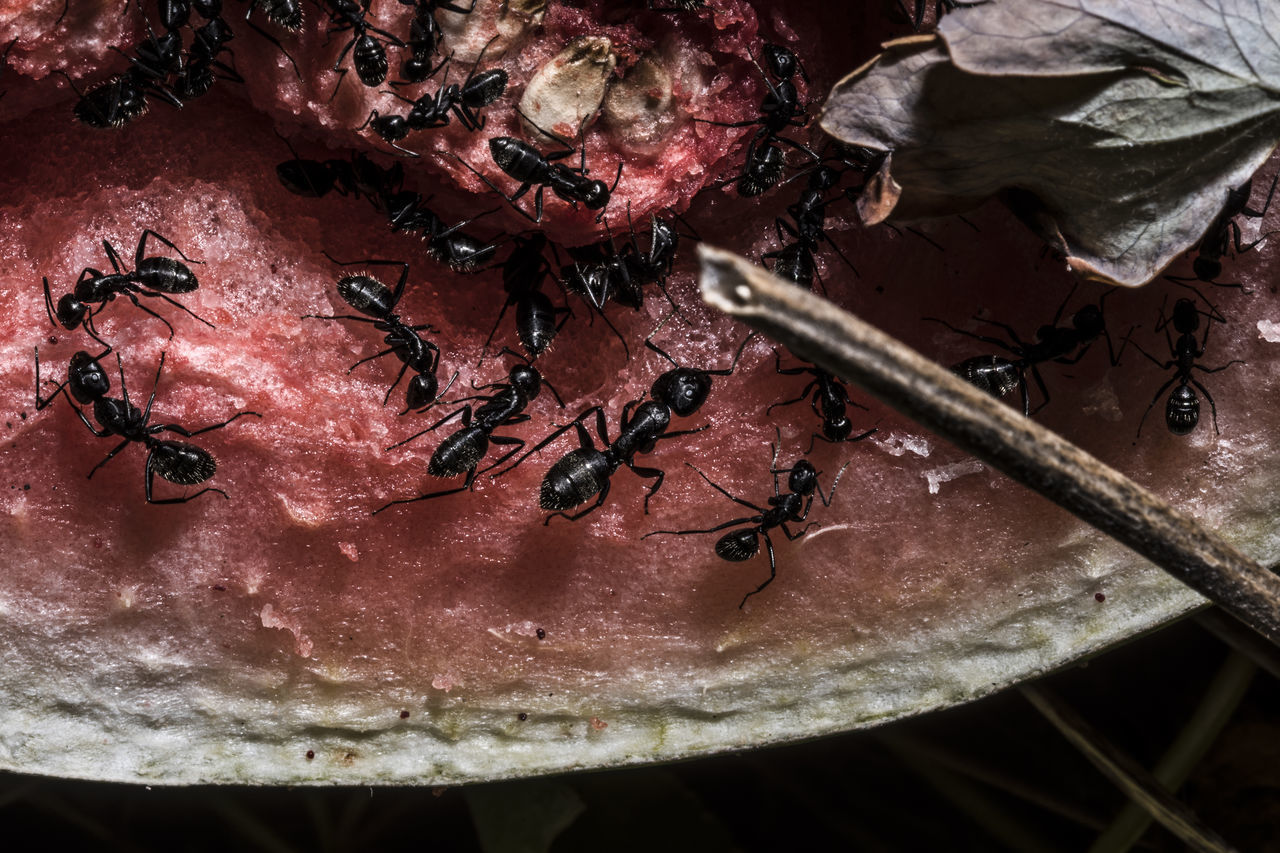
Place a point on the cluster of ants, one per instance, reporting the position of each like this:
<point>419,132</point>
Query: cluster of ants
<point>599,274</point>
<point>88,384</point>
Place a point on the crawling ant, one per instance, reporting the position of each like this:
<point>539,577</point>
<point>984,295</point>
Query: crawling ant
<point>425,35</point>
<point>434,110</point>
<point>790,508</point>
<point>795,261</point>
<point>464,450</point>
<point>678,6</point>
<point>829,399</point>
<point>448,244</point>
<point>522,162</point>
<point>1182,410</point>
<point>210,41</point>
<point>371,298</point>
<point>358,176</point>
<point>1223,235</point>
<point>523,273</point>
<point>780,109</point>
<point>1060,344</point>
<point>176,461</point>
<point>601,272</point>
<point>155,276</point>
<point>117,101</point>
<point>916,13</point>
<point>368,55</point>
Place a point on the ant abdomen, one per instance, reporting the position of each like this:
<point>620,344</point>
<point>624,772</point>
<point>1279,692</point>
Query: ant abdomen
<point>738,546</point>
<point>182,463</point>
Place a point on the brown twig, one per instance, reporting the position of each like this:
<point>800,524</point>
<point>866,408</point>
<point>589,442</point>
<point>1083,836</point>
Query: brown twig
<point>820,332</point>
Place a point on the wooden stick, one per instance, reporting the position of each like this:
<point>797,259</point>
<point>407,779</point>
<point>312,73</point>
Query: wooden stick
<point>816,330</point>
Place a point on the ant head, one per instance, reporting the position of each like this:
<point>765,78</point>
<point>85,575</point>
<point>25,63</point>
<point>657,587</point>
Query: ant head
<point>526,380</point>
<point>367,295</point>
<point>1186,316</point>
<point>86,378</point>
<point>837,430</point>
<point>823,178</point>
<point>738,545</point>
<point>683,390</point>
<point>596,195</point>
<point>1088,321</point>
<point>803,479</point>
<point>782,63</point>
<point>1206,269</point>
<point>421,392</point>
<point>1182,411</point>
<point>71,311</point>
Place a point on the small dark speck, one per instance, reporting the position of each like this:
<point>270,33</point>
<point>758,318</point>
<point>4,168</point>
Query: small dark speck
<point>311,753</point>
<point>219,587</point>
<point>8,424</point>
<point>53,339</point>
<point>542,635</point>
<point>22,415</point>
<point>522,716</point>
<point>404,715</point>
<point>1099,597</point>
<point>26,487</point>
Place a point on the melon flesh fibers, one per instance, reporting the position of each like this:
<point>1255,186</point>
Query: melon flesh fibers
<point>280,636</point>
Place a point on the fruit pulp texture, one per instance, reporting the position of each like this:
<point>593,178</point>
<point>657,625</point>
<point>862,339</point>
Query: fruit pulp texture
<point>440,601</point>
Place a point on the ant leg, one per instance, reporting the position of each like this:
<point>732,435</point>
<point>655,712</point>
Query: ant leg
<point>266,35</point>
<point>773,569</point>
<point>183,431</point>
<point>724,492</point>
<point>584,438</point>
<point>656,474</point>
<point>1035,374</point>
<point>337,317</point>
<point>1004,345</point>
<point>121,446</point>
<point>176,304</point>
<point>142,246</point>
<point>1154,399</point>
<point>399,376</point>
<point>466,485</point>
<point>465,411</point>
<point>502,313</point>
<point>111,256</point>
<point>804,395</point>
<point>718,527</point>
<point>511,199</point>
<point>604,493</point>
<point>505,440</point>
<point>826,501</point>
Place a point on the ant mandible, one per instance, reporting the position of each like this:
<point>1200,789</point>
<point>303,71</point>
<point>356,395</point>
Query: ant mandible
<point>790,508</point>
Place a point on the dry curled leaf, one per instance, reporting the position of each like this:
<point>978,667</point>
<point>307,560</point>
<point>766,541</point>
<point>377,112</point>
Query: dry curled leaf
<point>1127,120</point>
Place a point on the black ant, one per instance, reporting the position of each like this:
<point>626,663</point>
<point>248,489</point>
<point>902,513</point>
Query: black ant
<point>795,261</point>
<point>829,399</point>
<point>176,461</point>
<point>1223,235</point>
<point>424,37</point>
<point>916,14</point>
<point>429,111</point>
<point>601,272</point>
<point>780,109</point>
<point>368,55</point>
<point>156,276</point>
<point>523,273</point>
<point>790,508</point>
<point>359,176</point>
<point>521,161</point>
<point>372,298</point>
<point>678,6</point>
<point>1059,344</point>
<point>1182,410</point>
<point>210,41</point>
<point>464,450</point>
<point>448,244</point>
